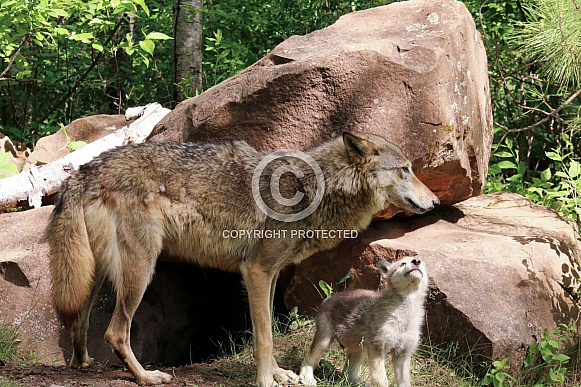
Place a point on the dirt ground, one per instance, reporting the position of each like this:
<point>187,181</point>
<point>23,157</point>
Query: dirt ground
<point>111,375</point>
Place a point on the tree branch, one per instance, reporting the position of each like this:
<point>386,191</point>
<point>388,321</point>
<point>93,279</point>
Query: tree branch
<point>85,74</point>
<point>22,42</point>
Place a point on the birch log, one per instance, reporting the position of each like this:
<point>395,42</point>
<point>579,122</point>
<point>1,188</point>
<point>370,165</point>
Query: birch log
<point>37,182</point>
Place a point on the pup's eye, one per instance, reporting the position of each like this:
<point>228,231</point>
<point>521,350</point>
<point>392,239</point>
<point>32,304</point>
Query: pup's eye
<point>405,170</point>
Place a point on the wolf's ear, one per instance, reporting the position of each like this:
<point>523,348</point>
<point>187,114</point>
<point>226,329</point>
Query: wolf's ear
<point>358,146</point>
<point>383,267</point>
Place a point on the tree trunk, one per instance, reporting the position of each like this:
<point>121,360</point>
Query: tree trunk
<point>187,49</point>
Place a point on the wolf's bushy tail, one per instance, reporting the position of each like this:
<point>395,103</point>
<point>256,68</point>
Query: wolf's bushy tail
<point>72,264</point>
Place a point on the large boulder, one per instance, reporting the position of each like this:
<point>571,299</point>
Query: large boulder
<point>87,129</point>
<point>502,269</point>
<point>414,72</point>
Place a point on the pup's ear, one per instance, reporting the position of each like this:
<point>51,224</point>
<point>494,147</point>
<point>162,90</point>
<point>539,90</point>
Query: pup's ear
<point>358,146</point>
<point>383,267</point>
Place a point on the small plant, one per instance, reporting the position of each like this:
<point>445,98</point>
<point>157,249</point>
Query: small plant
<point>6,167</point>
<point>296,321</point>
<point>497,375</point>
<point>328,289</point>
<point>72,145</point>
<point>546,354</point>
<point>9,340</point>
<point>557,186</point>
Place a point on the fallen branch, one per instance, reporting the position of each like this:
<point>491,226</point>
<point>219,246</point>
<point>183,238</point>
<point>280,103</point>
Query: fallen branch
<point>37,182</point>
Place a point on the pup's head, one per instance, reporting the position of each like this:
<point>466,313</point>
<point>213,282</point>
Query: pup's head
<point>407,275</point>
<point>396,182</point>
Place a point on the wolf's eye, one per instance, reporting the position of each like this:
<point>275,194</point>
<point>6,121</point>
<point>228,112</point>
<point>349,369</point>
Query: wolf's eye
<point>402,264</point>
<point>405,170</point>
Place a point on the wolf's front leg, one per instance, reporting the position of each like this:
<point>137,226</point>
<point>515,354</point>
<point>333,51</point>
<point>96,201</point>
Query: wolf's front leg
<point>376,360</point>
<point>401,368</point>
<point>258,284</point>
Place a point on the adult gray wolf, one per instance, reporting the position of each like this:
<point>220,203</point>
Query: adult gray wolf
<point>118,212</point>
<point>378,322</point>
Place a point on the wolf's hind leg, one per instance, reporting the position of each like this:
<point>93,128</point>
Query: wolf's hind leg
<point>137,267</point>
<point>321,341</point>
<point>80,358</point>
<point>353,364</point>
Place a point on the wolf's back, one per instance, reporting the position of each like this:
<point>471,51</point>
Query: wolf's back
<point>72,264</point>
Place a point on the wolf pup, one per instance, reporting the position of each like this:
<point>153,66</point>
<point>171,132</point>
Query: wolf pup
<point>378,322</point>
<point>212,204</point>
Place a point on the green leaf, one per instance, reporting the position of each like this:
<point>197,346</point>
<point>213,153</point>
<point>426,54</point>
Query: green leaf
<point>61,31</point>
<point>58,13</point>
<point>554,156</point>
<point>74,145</point>
<point>506,164</point>
<point>82,36</point>
<point>97,47</point>
<point>9,169</point>
<point>574,169</point>
<point>4,158</point>
<point>546,174</point>
<point>157,36</point>
<point>142,4</point>
<point>326,288</point>
<point>561,358</point>
<point>147,46</point>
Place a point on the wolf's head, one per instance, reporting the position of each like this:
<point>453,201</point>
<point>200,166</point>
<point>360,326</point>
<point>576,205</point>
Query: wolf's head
<point>396,183</point>
<point>407,275</point>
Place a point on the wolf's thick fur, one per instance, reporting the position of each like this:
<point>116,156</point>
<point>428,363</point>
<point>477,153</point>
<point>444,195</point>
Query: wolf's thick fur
<point>378,322</point>
<point>117,212</point>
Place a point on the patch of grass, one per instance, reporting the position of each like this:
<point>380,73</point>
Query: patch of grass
<point>9,340</point>
<point>8,383</point>
<point>432,365</point>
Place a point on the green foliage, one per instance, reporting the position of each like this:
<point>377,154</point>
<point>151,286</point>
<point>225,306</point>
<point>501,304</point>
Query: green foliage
<point>552,33</point>
<point>534,99</point>
<point>6,167</point>
<point>237,35</point>
<point>61,60</point>
<point>72,145</point>
<point>545,355</point>
<point>9,340</point>
<point>328,289</point>
<point>557,184</point>
<point>497,375</point>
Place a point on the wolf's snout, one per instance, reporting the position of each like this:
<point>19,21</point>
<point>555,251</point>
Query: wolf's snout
<point>436,201</point>
<point>416,261</point>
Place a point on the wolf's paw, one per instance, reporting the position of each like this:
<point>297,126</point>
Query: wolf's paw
<point>306,376</point>
<point>154,377</point>
<point>285,377</point>
<point>81,363</point>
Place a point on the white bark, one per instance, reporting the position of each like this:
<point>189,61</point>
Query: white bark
<point>36,182</point>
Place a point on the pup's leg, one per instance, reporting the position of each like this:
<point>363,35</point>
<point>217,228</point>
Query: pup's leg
<point>280,374</point>
<point>401,368</point>
<point>258,282</point>
<point>353,364</point>
<point>321,341</point>
<point>137,266</point>
<point>81,358</point>
<point>376,360</point>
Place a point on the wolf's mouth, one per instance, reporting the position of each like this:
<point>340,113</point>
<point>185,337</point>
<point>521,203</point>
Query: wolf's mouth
<point>414,269</point>
<point>414,206</point>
